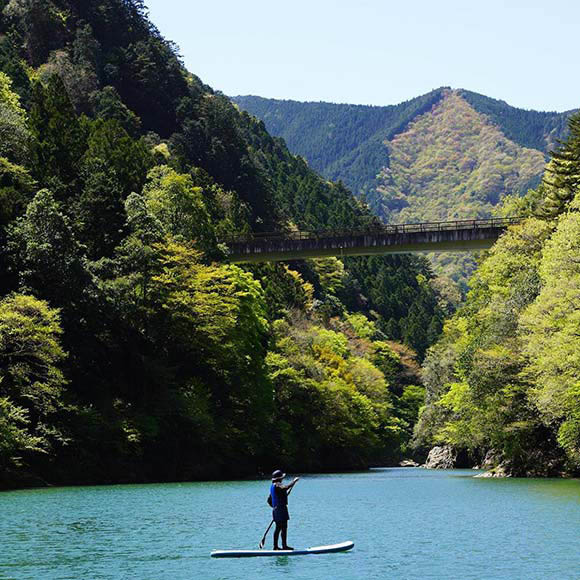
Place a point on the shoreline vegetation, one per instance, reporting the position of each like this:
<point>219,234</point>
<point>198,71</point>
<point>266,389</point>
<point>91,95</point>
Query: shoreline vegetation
<point>487,472</point>
<point>504,375</point>
<point>131,352</point>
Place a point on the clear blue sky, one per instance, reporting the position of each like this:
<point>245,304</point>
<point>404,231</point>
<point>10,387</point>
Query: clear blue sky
<point>380,52</point>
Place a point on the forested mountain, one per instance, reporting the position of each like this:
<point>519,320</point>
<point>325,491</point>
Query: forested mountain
<point>503,380</point>
<point>342,142</point>
<point>534,129</point>
<point>450,154</point>
<point>451,163</point>
<point>347,142</point>
<point>129,350</point>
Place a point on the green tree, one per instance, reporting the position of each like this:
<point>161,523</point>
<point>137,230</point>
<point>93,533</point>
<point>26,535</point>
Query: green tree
<point>331,407</point>
<point>215,326</point>
<point>130,159</point>
<point>98,211</point>
<point>59,139</point>
<point>331,274</point>
<point>552,341</point>
<point>108,105</point>
<point>16,184</point>
<point>16,187</point>
<point>114,165</point>
<point>31,381</point>
<point>562,178</point>
<point>179,206</point>
<point>45,255</point>
<point>14,133</point>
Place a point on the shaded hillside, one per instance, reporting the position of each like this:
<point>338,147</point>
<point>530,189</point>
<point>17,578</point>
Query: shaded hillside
<point>342,142</point>
<point>535,129</point>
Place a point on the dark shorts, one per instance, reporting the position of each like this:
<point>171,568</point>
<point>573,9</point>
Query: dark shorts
<point>280,513</point>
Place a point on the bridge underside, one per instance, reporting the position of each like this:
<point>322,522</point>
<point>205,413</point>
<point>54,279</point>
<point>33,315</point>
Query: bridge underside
<point>284,249</point>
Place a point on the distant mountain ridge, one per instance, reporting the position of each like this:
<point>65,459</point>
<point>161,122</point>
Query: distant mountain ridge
<point>342,142</point>
<point>347,142</point>
<point>535,129</point>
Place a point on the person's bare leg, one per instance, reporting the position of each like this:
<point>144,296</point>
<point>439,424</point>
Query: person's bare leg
<point>276,536</point>
<point>285,545</point>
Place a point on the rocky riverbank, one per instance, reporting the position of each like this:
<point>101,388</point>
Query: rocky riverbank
<point>449,457</point>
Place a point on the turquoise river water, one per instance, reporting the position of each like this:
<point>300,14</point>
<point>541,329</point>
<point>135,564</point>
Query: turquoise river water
<point>406,523</point>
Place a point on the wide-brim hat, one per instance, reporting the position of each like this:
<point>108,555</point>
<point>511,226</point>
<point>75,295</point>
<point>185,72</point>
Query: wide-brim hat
<point>278,474</point>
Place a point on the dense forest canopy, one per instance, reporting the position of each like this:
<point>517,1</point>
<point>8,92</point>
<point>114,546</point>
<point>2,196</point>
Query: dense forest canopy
<point>347,142</point>
<point>503,380</point>
<point>130,351</point>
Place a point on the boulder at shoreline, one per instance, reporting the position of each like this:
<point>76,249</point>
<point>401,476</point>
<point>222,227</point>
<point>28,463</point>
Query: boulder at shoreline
<point>441,457</point>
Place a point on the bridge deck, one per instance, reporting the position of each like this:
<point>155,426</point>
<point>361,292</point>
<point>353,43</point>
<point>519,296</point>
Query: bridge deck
<point>450,236</point>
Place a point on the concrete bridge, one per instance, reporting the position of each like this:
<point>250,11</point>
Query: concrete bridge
<point>450,236</point>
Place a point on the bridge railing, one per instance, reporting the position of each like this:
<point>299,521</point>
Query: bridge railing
<point>387,229</point>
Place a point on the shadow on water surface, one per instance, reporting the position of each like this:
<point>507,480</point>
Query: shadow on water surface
<point>556,488</point>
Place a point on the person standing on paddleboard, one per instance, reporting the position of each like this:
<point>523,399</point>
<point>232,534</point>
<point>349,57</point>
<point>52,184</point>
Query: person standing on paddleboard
<point>278,499</point>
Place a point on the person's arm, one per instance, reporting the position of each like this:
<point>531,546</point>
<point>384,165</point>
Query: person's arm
<point>290,485</point>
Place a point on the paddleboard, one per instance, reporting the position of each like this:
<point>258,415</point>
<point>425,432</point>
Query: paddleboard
<point>343,547</point>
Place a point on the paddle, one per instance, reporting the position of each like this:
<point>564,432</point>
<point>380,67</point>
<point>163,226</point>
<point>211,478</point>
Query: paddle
<point>263,540</point>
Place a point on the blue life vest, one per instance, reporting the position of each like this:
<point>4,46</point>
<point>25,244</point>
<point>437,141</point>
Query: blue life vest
<point>274,495</point>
